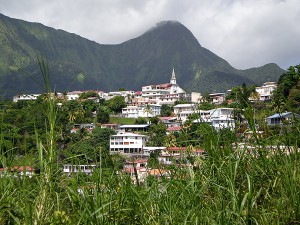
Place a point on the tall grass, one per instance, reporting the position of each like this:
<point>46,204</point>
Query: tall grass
<point>231,185</point>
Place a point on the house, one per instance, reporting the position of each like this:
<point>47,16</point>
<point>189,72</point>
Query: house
<point>134,128</point>
<point>172,155</point>
<point>279,118</point>
<point>135,163</point>
<point>173,129</point>
<point>128,95</point>
<point>86,169</point>
<point>88,127</point>
<point>149,110</point>
<point>217,98</point>
<point>24,97</point>
<point>183,107</point>
<point>112,126</point>
<point>169,121</point>
<point>130,112</point>
<point>127,143</point>
<point>73,95</point>
<point>222,118</point>
<point>17,171</point>
<point>149,150</point>
<point>265,91</point>
<point>196,97</point>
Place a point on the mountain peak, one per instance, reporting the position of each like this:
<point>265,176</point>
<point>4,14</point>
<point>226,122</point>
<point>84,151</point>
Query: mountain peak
<point>167,24</point>
<point>171,28</point>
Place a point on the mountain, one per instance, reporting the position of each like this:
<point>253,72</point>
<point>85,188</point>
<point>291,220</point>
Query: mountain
<point>78,63</point>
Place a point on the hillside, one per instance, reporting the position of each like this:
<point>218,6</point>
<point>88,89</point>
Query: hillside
<point>78,63</point>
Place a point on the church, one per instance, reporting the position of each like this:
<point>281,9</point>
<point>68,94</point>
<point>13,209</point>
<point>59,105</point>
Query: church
<point>161,94</point>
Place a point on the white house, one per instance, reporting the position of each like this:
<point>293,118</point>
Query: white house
<point>86,169</point>
<point>148,150</point>
<point>265,91</point>
<point>133,128</point>
<point>196,97</point>
<point>73,95</point>
<point>141,111</point>
<point>183,107</point>
<point>222,118</point>
<point>131,112</point>
<point>128,95</point>
<point>127,143</point>
<point>25,97</point>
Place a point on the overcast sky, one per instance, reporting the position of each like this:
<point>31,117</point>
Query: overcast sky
<point>246,33</point>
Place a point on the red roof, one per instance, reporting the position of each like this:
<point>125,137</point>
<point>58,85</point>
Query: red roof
<point>176,128</point>
<point>18,168</point>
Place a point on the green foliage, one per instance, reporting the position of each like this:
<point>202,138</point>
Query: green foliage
<point>166,110</point>
<point>206,106</point>
<point>140,120</point>
<point>91,148</point>
<point>241,94</point>
<point>121,120</point>
<point>102,115</point>
<point>285,97</point>
<point>88,94</point>
<point>116,104</point>
<point>157,134</point>
<point>154,120</point>
<point>293,100</point>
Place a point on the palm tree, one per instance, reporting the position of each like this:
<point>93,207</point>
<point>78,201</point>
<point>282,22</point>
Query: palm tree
<point>148,110</point>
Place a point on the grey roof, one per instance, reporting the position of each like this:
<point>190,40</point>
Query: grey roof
<point>281,115</point>
<point>134,126</point>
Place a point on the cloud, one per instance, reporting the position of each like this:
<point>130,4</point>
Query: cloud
<point>246,33</point>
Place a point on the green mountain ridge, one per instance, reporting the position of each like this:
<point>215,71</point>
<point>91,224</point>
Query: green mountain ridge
<point>76,63</point>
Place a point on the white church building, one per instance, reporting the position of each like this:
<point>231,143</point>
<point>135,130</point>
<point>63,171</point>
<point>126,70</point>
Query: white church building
<point>166,93</point>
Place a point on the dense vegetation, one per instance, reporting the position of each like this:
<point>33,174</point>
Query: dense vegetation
<point>77,63</point>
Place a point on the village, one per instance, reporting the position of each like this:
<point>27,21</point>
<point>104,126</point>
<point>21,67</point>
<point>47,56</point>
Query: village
<point>131,140</point>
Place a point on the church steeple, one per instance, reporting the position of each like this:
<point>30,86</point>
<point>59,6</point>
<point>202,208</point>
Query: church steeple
<point>173,78</point>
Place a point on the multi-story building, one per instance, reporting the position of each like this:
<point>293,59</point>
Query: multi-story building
<point>164,93</point>
<point>127,143</point>
<point>149,110</point>
<point>222,118</point>
<point>265,91</point>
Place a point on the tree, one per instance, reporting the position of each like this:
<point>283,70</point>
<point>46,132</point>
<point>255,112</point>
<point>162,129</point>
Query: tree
<point>206,106</point>
<point>286,84</point>
<point>102,115</point>
<point>116,104</point>
<point>148,110</point>
<point>140,120</point>
<point>166,110</point>
<point>157,134</point>
<point>294,98</point>
<point>88,94</point>
<point>241,94</point>
<point>154,120</point>
<point>92,148</point>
